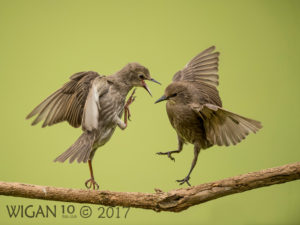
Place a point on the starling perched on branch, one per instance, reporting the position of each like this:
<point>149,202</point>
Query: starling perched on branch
<point>96,103</point>
<point>195,109</point>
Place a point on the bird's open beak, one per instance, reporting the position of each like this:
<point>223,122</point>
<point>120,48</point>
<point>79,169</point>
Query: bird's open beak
<point>162,98</point>
<point>144,85</point>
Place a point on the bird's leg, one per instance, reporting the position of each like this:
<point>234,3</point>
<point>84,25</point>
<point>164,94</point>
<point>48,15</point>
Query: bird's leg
<point>187,178</point>
<point>180,145</point>
<point>91,182</point>
<point>126,107</point>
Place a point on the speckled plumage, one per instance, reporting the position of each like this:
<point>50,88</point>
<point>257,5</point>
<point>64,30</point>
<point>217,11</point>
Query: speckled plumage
<point>195,109</point>
<point>94,102</point>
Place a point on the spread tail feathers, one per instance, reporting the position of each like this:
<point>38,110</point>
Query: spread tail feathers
<point>80,150</point>
<point>224,127</point>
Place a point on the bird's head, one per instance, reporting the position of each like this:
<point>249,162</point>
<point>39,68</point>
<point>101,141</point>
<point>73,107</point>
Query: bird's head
<point>138,74</point>
<point>176,92</point>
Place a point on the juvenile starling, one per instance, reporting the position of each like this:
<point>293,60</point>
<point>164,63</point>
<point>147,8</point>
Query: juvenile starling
<point>195,109</point>
<point>96,103</point>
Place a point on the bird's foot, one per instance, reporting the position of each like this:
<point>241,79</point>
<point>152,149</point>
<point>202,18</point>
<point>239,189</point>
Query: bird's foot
<point>91,183</point>
<point>167,153</point>
<point>128,103</point>
<point>184,180</point>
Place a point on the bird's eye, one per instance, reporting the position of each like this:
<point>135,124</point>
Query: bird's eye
<point>141,76</point>
<point>173,95</point>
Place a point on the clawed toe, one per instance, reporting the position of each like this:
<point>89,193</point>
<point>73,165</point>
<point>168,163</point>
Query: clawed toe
<point>128,113</point>
<point>130,99</point>
<point>185,180</point>
<point>91,183</point>
<point>128,103</point>
<point>167,153</point>
<point>171,157</point>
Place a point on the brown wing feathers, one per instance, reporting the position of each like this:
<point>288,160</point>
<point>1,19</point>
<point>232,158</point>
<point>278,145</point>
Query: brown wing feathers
<point>221,126</point>
<point>202,68</point>
<point>67,103</point>
<point>224,127</point>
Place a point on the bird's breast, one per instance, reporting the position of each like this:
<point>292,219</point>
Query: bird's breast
<point>186,122</point>
<point>111,106</point>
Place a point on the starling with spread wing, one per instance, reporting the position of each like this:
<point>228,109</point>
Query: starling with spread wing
<point>96,103</point>
<point>195,109</point>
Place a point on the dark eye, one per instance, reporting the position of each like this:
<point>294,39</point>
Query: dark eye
<point>173,95</point>
<point>141,76</point>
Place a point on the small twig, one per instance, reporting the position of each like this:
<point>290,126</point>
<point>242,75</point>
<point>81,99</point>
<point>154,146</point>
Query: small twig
<point>175,200</point>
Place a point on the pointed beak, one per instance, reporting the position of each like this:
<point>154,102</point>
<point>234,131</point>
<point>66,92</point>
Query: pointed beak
<point>146,87</point>
<point>155,81</point>
<point>162,98</point>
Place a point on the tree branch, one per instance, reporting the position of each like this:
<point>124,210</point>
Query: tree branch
<point>175,200</point>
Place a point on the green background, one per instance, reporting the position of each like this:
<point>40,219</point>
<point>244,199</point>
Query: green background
<point>42,43</point>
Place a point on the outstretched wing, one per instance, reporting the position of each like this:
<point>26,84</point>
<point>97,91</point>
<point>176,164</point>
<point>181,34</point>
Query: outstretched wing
<point>202,68</point>
<point>223,127</point>
<point>67,103</point>
<point>202,73</point>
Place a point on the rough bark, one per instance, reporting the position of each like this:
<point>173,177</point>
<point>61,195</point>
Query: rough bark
<point>175,200</point>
